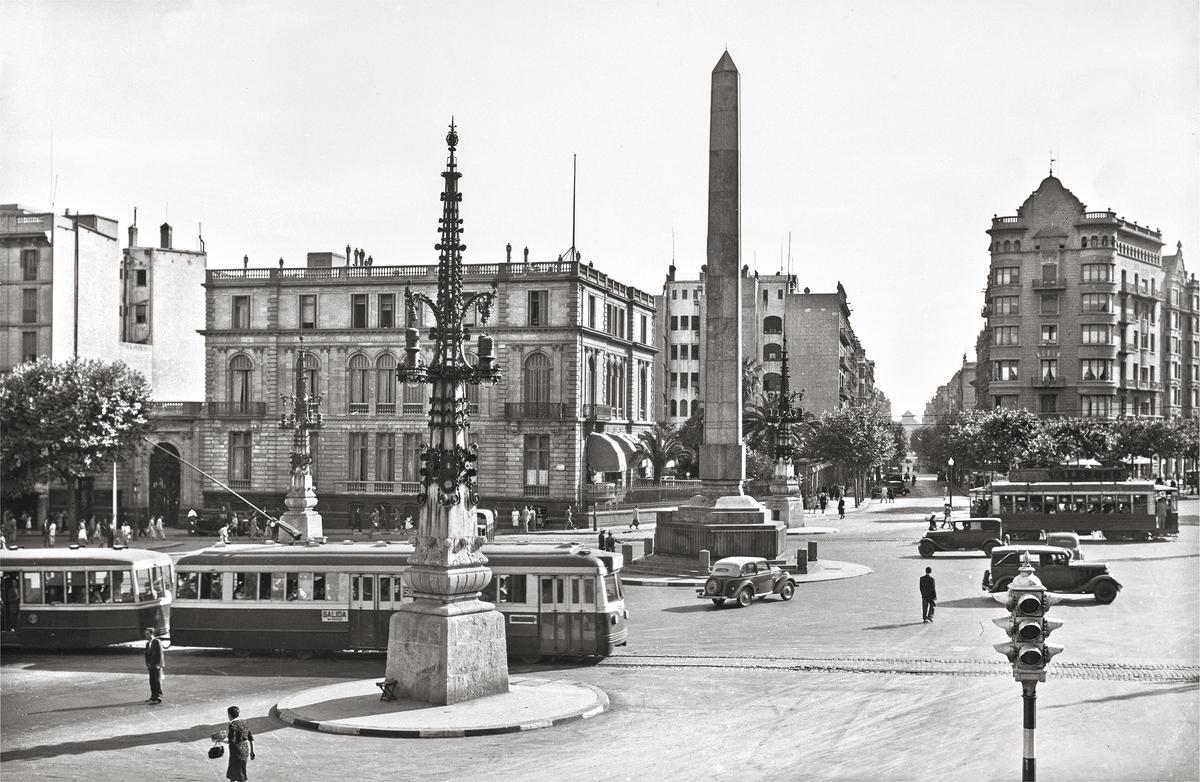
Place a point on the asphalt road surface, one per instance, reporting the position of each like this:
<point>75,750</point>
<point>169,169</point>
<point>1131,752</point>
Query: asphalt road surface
<point>843,682</point>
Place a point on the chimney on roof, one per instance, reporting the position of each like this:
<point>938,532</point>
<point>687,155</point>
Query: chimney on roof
<point>164,236</point>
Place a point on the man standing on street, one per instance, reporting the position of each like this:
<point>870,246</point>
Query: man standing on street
<point>154,664</point>
<point>928,595</point>
<point>600,541</point>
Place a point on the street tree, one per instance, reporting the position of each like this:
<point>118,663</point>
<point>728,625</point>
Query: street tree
<point>856,436</point>
<point>660,445</point>
<point>68,420</point>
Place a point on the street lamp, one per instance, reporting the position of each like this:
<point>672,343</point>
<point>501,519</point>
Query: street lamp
<point>950,482</point>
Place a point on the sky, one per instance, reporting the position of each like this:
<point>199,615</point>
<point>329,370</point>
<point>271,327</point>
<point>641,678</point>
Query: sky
<point>877,138</point>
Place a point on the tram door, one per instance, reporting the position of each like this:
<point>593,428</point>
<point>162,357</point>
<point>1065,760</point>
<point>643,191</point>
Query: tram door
<point>567,622</point>
<point>365,613</point>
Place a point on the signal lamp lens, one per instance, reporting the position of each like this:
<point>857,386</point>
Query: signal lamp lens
<point>1029,605</point>
<point>1030,631</point>
<point>1031,656</point>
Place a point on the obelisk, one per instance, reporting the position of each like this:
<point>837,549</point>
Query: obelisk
<point>722,458</point>
<point>721,519</point>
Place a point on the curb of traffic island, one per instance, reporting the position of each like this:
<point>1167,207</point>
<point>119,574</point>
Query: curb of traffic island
<point>487,716</point>
<point>822,570</point>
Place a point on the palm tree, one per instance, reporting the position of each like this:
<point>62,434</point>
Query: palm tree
<point>760,427</point>
<point>661,446</point>
<point>752,379</point>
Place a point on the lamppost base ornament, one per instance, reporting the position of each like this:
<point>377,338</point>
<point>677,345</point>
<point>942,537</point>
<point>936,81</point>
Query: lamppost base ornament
<point>444,653</point>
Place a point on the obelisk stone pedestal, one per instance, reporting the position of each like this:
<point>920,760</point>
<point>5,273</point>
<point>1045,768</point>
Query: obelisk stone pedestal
<point>301,502</point>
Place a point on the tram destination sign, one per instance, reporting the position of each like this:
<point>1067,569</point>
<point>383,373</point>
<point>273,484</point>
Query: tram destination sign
<point>335,615</point>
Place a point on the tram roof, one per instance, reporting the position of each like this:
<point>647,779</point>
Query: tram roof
<point>1067,487</point>
<point>80,557</point>
<point>375,554</point>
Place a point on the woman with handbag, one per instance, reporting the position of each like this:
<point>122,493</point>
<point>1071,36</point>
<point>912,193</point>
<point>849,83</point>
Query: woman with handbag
<point>241,746</point>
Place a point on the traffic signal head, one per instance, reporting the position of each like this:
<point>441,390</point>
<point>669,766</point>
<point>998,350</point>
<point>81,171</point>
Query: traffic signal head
<point>1028,627</point>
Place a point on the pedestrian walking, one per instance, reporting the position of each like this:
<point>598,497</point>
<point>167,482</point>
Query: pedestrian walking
<point>610,543</point>
<point>51,532</point>
<point>600,542</point>
<point>946,516</point>
<point>516,519</point>
<point>241,746</point>
<point>374,521</point>
<point>841,507</point>
<point>408,522</point>
<point>126,532</point>
<point>223,533</point>
<point>525,514</point>
<point>822,501</point>
<point>928,595</point>
<point>356,519</point>
<point>636,521</point>
<point>891,494</point>
<point>81,536</point>
<point>932,522</point>
<point>154,665</point>
<point>570,520</point>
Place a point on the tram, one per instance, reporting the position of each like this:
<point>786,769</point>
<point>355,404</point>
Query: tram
<point>557,600</point>
<point>81,598</point>
<point>1035,501</point>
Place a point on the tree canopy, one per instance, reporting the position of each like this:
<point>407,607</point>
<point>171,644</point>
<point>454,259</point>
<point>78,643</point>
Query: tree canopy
<point>68,420</point>
<point>660,446</point>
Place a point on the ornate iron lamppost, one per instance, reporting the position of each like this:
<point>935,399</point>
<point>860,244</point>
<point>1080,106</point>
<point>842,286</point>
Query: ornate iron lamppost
<point>781,423</point>
<point>305,417</point>
<point>448,646</point>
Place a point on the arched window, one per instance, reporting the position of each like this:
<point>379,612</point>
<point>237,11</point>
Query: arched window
<point>772,324</point>
<point>312,373</point>
<point>591,380</point>
<point>772,352</point>
<point>535,378</point>
<point>357,374</point>
<point>674,408</point>
<point>771,382</point>
<point>1007,245</point>
<point>1083,242</point>
<point>385,384</point>
<point>1017,245</point>
<point>643,395</point>
<point>240,369</point>
<point>1104,241</point>
<point>683,408</point>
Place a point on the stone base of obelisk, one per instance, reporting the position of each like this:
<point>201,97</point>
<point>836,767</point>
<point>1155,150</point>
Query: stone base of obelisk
<point>447,653</point>
<point>726,526</point>
<point>788,510</point>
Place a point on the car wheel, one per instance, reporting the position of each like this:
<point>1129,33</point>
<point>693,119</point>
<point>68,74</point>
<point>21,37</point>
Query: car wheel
<point>1001,585</point>
<point>1105,592</point>
<point>718,601</point>
<point>987,547</point>
<point>925,548</point>
<point>745,597</point>
<point>787,590</point>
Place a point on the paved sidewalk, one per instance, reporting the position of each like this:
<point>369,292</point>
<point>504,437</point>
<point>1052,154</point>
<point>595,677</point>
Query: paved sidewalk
<point>354,709</point>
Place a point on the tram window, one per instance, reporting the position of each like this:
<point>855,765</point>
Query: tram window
<point>325,586</point>
<point>278,586</point>
<point>264,585</point>
<point>368,588</point>
<point>1109,503</point>
<point>589,590</point>
<point>55,590</point>
<point>553,590</point>
<point>612,588</point>
<point>575,591</point>
<point>354,581</point>
<point>156,580</point>
<point>397,590</point>
<point>186,586</point>
<point>143,584</point>
<point>1006,503</point>
<point>306,586</point>
<point>76,586</point>
<point>1141,504</point>
<point>245,586</point>
<point>210,586</point>
<point>98,587</point>
<point>1021,504</point>
<point>31,588</point>
<point>488,593</point>
<point>512,589</point>
<point>122,586</point>
<point>1049,504</point>
<point>1093,503</point>
<point>385,590</point>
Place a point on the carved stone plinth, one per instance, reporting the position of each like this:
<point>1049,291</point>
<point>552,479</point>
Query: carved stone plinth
<point>454,654</point>
<point>728,526</point>
<point>787,510</point>
<point>300,502</point>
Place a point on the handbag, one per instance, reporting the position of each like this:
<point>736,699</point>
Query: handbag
<point>216,751</point>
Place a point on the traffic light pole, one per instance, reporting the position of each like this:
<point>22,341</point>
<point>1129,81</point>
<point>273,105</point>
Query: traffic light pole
<point>1029,754</point>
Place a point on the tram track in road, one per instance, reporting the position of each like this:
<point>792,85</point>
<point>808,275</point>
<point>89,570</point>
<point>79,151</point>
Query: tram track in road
<point>913,666</point>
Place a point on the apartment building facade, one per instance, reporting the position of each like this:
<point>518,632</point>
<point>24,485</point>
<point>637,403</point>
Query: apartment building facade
<point>1084,315</point>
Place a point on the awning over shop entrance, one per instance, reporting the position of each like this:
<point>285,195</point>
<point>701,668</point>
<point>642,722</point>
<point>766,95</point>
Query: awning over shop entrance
<point>605,453</point>
<point>629,445</point>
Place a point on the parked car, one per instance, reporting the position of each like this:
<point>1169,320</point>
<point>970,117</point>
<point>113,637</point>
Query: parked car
<point>1056,569</point>
<point>745,578</point>
<point>898,487</point>
<point>1067,540</point>
<point>984,534</point>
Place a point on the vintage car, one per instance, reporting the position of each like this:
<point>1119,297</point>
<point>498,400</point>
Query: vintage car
<point>1055,568</point>
<point>745,578</point>
<point>1067,540</point>
<point>984,534</point>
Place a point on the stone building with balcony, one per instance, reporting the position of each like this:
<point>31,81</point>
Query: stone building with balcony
<point>576,353</point>
<point>1080,316</point>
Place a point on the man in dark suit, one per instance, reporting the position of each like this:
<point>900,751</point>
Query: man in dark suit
<point>928,595</point>
<point>154,664</point>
